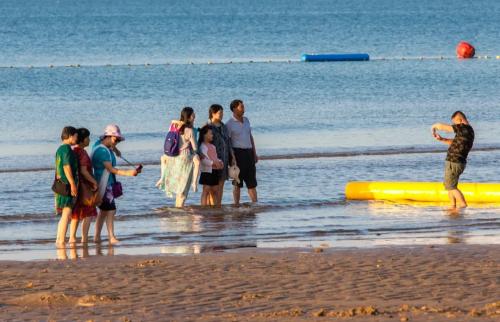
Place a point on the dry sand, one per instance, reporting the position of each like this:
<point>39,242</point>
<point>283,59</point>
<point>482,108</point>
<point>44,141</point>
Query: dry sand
<point>442,283</point>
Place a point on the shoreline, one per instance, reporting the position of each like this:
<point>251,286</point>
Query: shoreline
<point>82,253</point>
<point>420,283</point>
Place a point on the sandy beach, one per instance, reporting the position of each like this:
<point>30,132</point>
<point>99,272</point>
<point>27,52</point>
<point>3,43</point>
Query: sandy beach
<point>431,283</point>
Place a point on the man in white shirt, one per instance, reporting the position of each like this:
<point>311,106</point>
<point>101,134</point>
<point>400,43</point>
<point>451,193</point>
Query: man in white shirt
<point>243,144</point>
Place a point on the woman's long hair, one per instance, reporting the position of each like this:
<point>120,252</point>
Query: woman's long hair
<point>185,116</point>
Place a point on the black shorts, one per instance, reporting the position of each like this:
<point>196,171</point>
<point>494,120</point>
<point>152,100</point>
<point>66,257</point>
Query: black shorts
<point>245,160</point>
<point>209,179</point>
<point>107,206</point>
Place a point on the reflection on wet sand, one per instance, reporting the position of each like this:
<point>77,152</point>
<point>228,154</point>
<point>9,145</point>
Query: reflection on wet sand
<point>208,229</point>
<point>456,237</point>
<point>458,220</point>
<point>76,252</point>
<point>194,230</point>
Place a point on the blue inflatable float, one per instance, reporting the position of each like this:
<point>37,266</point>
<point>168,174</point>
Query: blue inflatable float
<point>335,57</point>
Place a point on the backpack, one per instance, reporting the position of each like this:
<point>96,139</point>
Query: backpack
<point>172,141</point>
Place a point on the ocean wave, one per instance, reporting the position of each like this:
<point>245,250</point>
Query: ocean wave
<point>166,212</point>
<point>306,155</point>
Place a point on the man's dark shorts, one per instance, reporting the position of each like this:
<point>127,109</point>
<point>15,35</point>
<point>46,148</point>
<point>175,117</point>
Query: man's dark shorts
<point>452,172</point>
<point>245,160</point>
<point>107,206</point>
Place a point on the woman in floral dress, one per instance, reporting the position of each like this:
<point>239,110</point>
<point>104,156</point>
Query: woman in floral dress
<point>177,171</point>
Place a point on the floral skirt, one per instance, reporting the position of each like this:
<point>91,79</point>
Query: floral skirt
<point>80,211</point>
<point>177,174</point>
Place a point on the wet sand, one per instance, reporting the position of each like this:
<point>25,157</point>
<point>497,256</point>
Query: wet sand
<point>451,283</point>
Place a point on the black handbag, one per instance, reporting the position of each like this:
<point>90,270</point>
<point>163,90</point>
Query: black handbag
<point>61,188</point>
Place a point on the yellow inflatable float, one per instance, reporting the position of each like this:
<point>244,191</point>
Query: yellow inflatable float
<point>420,191</point>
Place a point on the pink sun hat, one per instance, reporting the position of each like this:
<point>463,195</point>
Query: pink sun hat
<point>112,130</point>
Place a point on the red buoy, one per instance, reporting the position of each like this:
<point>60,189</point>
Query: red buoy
<point>465,50</point>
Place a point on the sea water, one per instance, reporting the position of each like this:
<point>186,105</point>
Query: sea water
<point>316,125</point>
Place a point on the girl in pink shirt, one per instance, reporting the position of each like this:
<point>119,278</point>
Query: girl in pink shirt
<point>210,165</point>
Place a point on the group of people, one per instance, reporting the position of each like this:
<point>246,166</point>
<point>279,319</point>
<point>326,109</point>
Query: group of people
<point>87,182</point>
<point>214,153</point>
<point>208,156</point>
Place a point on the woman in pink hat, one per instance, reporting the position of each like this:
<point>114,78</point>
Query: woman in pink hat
<point>105,172</point>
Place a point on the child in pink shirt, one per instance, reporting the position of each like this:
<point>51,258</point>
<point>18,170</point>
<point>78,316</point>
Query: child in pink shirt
<point>210,165</point>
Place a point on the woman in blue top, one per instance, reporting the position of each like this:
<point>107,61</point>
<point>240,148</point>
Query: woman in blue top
<point>105,171</point>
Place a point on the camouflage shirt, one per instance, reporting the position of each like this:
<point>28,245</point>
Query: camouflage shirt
<point>462,143</point>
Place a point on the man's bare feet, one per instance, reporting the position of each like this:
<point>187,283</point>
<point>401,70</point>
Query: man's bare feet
<point>97,240</point>
<point>72,241</point>
<point>453,211</point>
<point>60,245</point>
<point>113,241</point>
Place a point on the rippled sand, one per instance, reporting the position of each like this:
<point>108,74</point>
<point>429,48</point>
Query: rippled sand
<point>421,283</point>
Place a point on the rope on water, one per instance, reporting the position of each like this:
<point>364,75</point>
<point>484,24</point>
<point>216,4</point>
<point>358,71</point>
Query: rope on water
<point>228,62</point>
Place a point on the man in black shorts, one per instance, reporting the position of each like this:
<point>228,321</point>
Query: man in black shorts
<point>240,132</point>
<point>456,159</point>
